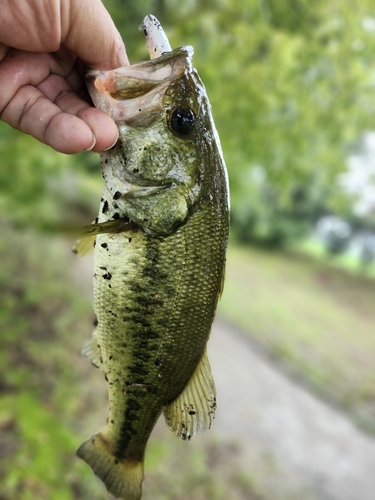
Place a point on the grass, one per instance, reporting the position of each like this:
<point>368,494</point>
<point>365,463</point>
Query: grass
<point>317,319</point>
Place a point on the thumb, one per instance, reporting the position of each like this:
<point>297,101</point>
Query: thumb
<point>88,30</point>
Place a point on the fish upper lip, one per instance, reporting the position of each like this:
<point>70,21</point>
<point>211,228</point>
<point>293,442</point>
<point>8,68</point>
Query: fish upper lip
<point>151,66</point>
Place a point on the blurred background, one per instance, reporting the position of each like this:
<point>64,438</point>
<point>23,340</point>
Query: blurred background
<point>292,86</point>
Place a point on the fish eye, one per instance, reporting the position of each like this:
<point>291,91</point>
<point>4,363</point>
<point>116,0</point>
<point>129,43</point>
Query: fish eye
<point>182,120</point>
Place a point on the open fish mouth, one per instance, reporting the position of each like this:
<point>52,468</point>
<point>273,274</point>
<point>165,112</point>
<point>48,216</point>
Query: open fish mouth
<point>125,92</point>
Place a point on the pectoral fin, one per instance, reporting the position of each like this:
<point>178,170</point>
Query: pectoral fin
<point>84,245</point>
<point>89,232</point>
<point>110,226</point>
<point>194,409</point>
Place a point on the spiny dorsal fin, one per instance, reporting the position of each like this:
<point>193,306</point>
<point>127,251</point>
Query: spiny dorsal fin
<point>92,351</point>
<point>194,409</point>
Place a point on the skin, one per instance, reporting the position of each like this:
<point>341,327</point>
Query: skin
<point>44,46</point>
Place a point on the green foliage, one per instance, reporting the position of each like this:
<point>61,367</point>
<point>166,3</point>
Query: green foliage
<point>32,472</point>
<point>263,216</point>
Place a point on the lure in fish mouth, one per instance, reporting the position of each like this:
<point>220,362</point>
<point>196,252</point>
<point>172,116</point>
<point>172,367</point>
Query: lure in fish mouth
<point>160,244</point>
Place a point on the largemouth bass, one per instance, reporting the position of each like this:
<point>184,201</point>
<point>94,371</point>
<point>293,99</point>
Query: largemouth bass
<point>161,238</point>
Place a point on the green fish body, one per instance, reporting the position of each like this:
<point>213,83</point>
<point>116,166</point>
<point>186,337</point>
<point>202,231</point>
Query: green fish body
<point>160,251</point>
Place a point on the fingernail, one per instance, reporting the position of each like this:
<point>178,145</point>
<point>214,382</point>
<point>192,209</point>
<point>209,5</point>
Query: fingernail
<point>110,147</point>
<point>92,144</point>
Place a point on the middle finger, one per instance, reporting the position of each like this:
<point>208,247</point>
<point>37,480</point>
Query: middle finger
<point>60,92</point>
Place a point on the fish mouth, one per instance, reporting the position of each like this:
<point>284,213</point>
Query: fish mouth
<point>140,191</point>
<point>126,187</point>
<point>138,187</point>
<point>124,93</point>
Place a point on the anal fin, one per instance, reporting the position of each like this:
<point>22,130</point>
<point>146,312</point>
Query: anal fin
<point>194,409</point>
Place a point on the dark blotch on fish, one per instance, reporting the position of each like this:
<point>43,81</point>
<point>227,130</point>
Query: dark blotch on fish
<point>105,207</point>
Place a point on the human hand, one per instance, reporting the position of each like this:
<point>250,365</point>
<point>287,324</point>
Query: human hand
<point>44,46</point>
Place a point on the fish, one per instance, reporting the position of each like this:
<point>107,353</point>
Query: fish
<point>159,260</point>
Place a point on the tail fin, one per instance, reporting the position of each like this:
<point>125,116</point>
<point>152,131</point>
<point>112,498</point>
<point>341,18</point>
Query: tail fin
<point>122,478</point>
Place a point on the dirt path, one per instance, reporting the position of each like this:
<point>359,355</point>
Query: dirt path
<point>298,446</point>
